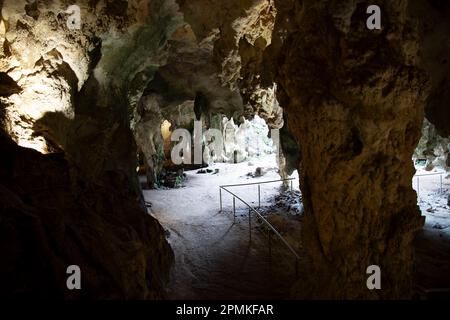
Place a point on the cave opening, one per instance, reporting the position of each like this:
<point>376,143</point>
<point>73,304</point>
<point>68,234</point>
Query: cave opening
<point>218,252</point>
<point>432,185</point>
<point>431,180</point>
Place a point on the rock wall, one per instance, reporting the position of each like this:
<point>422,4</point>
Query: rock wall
<point>73,94</point>
<point>434,45</point>
<point>355,100</point>
<point>51,219</point>
<point>432,147</point>
<point>241,37</point>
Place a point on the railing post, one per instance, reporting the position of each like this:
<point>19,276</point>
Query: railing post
<point>292,186</point>
<point>220,193</point>
<point>250,223</point>
<point>234,209</point>
<point>259,196</point>
<point>271,229</point>
<point>442,190</point>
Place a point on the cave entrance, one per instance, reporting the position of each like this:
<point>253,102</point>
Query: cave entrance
<point>432,179</point>
<point>432,185</point>
<point>215,257</point>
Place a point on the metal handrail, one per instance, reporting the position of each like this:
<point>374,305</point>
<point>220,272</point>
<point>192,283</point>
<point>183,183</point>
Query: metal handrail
<point>251,209</point>
<point>266,222</point>
<point>431,174</point>
<point>441,174</point>
<point>255,183</point>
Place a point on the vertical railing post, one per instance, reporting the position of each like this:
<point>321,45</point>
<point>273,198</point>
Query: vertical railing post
<point>442,190</point>
<point>292,186</point>
<point>259,196</point>
<point>234,209</point>
<point>220,194</point>
<point>252,209</point>
<point>250,223</point>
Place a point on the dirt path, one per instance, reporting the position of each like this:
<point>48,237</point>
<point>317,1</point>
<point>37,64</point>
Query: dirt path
<point>433,242</point>
<point>215,258</point>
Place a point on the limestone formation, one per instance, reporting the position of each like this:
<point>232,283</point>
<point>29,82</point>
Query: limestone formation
<point>71,92</point>
<point>247,140</point>
<point>355,100</point>
<point>350,103</point>
<point>432,147</point>
<point>51,219</point>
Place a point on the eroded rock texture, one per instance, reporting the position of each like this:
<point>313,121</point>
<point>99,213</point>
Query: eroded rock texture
<point>221,59</point>
<point>355,101</point>
<point>432,147</point>
<point>51,219</point>
<point>354,104</point>
<point>72,93</point>
<point>243,31</point>
<point>435,45</point>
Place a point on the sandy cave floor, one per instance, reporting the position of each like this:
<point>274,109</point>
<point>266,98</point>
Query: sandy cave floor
<point>433,241</point>
<point>215,258</point>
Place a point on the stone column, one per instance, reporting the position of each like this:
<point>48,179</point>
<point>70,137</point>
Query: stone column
<point>355,105</point>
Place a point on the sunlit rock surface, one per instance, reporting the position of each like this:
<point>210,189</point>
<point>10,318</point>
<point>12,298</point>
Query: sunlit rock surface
<point>72,92</point>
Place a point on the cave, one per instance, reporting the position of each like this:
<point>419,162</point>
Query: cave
<point>111,113</point>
